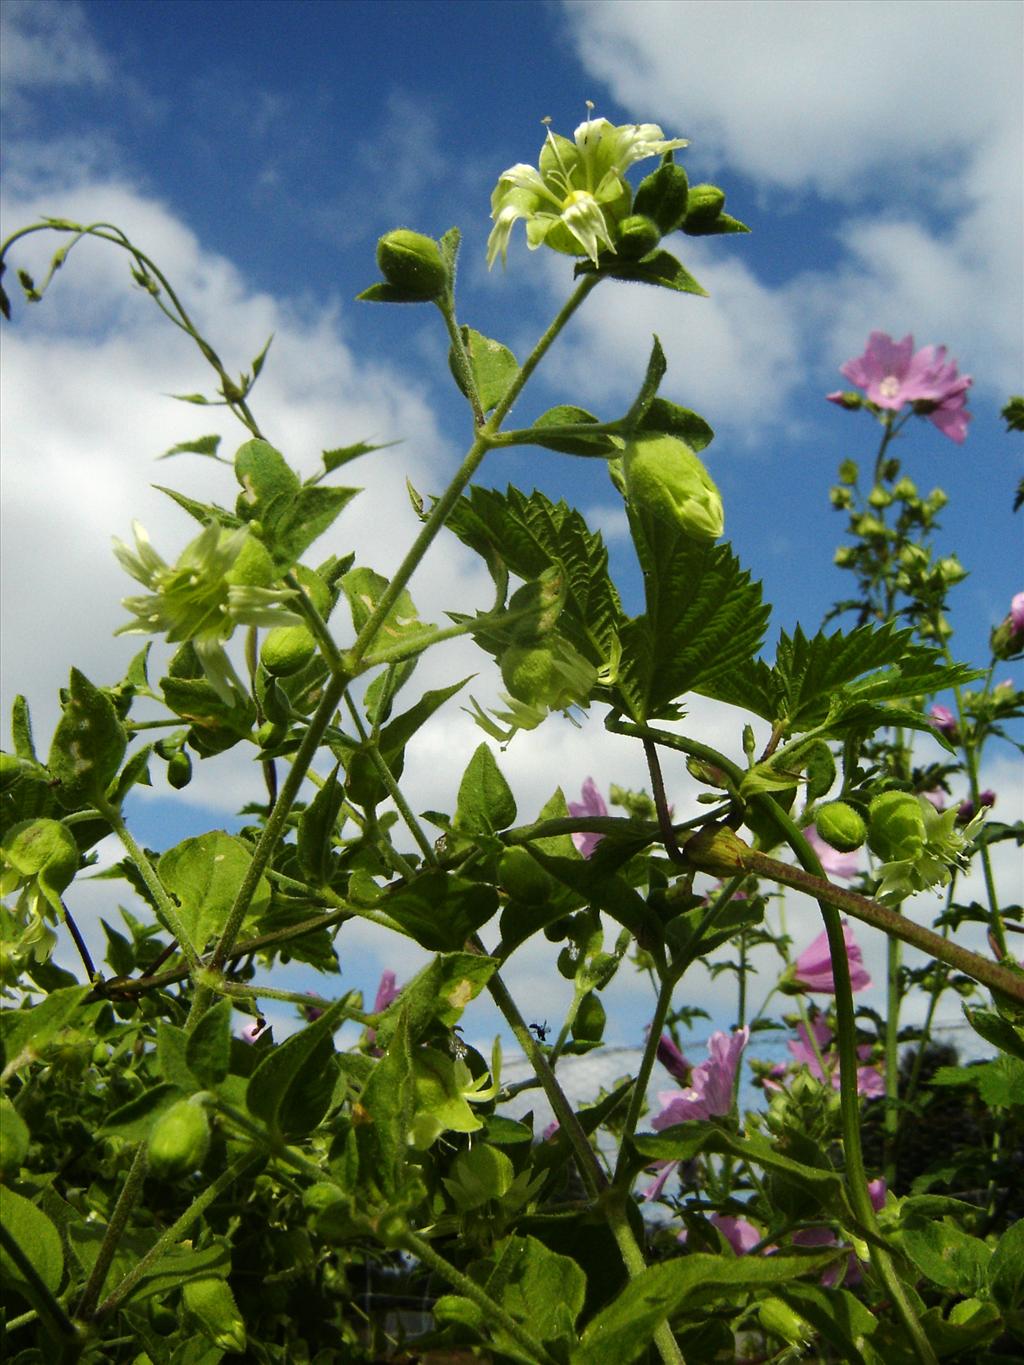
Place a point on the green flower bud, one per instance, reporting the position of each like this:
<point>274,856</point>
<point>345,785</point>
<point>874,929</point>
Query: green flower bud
<point>879,496</point>
<point>542,600</point>
<point>286,649</point>
<point>179,770</point>
<point>665,479</point>
<point>841,826</point>
<point>662,195</point>
<point>844,556</point>
<point>703,205</point>
<point>550,675</point>
<point>412,262</point>
<point>212,1304</point>
<point>848,470</point>
<point>14,1140</point>
<point>635,236</point>
<point>780,1320</point>
<point>179,1140</point>
<point>896,827</point>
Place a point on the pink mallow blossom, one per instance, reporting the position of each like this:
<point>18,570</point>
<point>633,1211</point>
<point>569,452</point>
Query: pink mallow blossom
<point>592,804</point>
<point>834,863</point>
<point>1017,610</point>
<point>813,968</point>
<point>967,812</point>
<point>741,1235</point>
<point>387,992</point>
<point>892,373</point>
<point>709,1094</point>
<point>673,1060</point>
<point>838,1274</point>
<point>943,720</point>
<point>812,1055</point>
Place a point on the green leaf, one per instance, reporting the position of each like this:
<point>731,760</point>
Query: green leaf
<point>172,1057</point>
<point>133,1121</point>
<point>597,885</point>
<point>39,1242</point>
<point>257,364</point>
<point>437,994</point>
<point>291,1089</point>
<point>655,372</point>
<point>663,416</point>
<point>1000,1032</point>
<point>364,590</point>
<point>945,1254</point>
<point>485,803</point>
<point>263,473</point>
<point>541,1289</point>
<point>684,1141</point>
<point>27,1032</point>
<point>440,911</point>
<point>21,730</point>
<point>842,1320</point>
<point>204,873</point>
<point>88,744</point>
<point>704,618</point>
<point>1006,1269</point>
<point>494,367</point>
<point>203,512</point>
<point>215,725</point>
<point>600,445</point>
<point>317,827</point>
<point>657,267</point>
<point>334,459</point>
<point>290,525</point>
<point>532,534</point>
<point>120,953</point>
<point>198,445</point>
<point>620,1332</point>
<point>388,1102</point>
<point>208,1052</point>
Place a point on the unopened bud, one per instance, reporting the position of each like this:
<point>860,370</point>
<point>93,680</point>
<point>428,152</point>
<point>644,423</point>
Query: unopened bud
<point>179,1140</point>
<point>636,236</point>
<point>412,262</point>
<point>895,826</point>
<point>665,479</point>
<point>841,826</point>
<point>703,205</point>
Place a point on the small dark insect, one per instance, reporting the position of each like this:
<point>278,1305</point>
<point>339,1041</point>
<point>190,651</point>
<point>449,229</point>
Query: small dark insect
<point>541,1030</point>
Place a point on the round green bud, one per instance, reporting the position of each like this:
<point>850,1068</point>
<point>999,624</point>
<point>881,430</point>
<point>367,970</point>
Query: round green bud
<point>14,1140</point>
<point>523,877</point>
<point>179,1140</point>
<point>895,826</point>
<point>841,826</point>
<point>531,674</point>
<point>636,236</point>
<point>412,262</point>
<point>212,1304</point>
<point>665,479</point>
<point>286,649</point>
<point>704,203</point>
<point>179,770</point>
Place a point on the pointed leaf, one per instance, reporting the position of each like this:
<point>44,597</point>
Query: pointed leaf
<point>291,1089</point>
<point>204,873</point>
<point>656,367</point>
<point>36,1236</point>
<point>334,459</point>
<point>317,827</point>
<point>658,268</point>
<point>485,803</point>
<point>600,445</point>
<point>197,445</point>
<point>441,911</point>
<point>494,367</point>
<point>208,1052</point>
<point>88,744</point>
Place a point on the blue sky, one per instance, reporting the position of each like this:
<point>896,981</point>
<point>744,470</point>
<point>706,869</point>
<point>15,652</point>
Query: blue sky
<point>258,150</point>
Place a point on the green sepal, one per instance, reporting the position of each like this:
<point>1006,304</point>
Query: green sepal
<point>659,268</point>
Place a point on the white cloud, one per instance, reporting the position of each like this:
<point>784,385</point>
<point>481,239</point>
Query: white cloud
<point>45,44</point>
<point>908,117</point>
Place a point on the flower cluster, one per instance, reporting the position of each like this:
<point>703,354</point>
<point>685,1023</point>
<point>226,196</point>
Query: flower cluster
<point>576,194</point>
<point>891,374</point>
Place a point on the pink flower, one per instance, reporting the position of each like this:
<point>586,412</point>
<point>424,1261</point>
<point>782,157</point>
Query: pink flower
<point>741,1235</point>
<point>813,968</point>
<point>937,797</point>
<point>709,1094</point>
<point>942,719</point>
<point>1017,610</point>
<point>891,373</point>
<point>850,1274</point>
<point>387,992</point>
<point>673,1060</point>
<point>253,1030</point>
<point>592,804</point>
<point>835,864</point>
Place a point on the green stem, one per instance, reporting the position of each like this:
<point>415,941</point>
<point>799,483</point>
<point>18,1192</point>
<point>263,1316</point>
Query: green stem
<point>176,1231</point>
<point>126,1201</point>
<point>165,905</point>
<point>892,1060</point>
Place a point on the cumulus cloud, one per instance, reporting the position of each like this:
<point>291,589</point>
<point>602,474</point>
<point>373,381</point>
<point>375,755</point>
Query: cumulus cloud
<point>815,100</point>
<point>44,44</point>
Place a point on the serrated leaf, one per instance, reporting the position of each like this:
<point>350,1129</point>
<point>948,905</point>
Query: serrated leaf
<point>531,534</point>
<point>388,1100</point>
<point>704,618</point>
<point>292,523</point>
<point>494,367</point>
<point>197,445</point>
